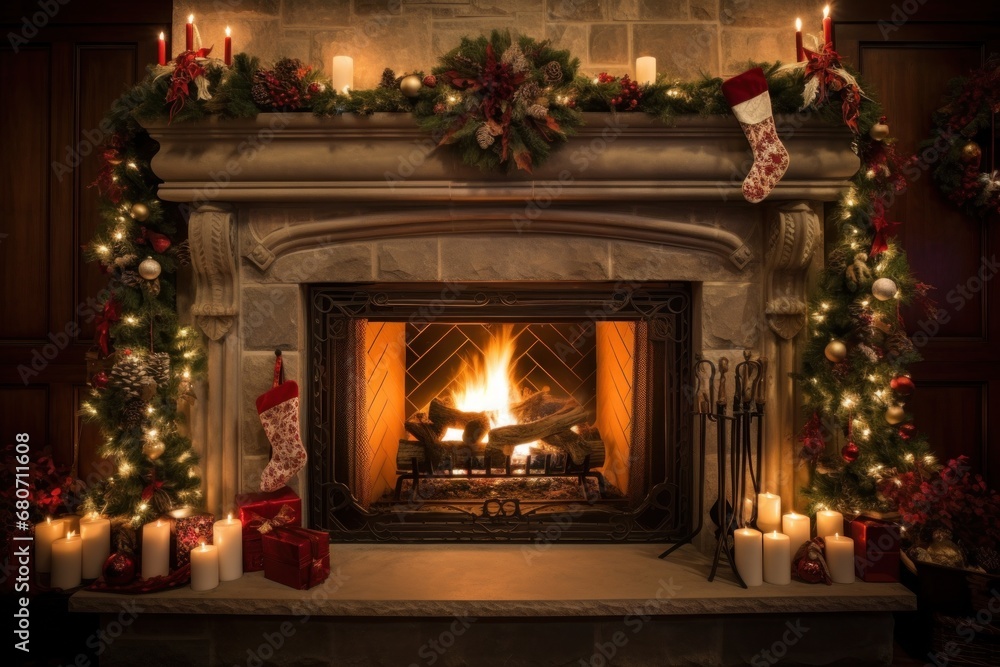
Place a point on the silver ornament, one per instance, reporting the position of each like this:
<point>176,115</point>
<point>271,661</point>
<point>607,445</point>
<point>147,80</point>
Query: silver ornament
<point>884,289</point>
<point>150,269</point>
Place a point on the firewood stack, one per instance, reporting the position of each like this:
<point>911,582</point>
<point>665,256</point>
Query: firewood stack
<point>555,425</point>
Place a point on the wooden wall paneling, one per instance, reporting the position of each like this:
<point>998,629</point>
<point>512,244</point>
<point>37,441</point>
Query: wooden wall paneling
<point>24,411</point>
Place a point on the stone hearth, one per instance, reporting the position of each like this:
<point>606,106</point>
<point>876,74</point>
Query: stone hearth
<point>285,201</point>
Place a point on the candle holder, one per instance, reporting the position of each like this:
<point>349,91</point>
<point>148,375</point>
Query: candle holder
<point>738,434</point>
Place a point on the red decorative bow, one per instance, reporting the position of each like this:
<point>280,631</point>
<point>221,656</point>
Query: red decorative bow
<point>826,68</point>
<point>107,317</point>
<point>160,242</point>
<point>185,72</point>
<point>264,525</point>
<point>106,182</point>
<point>152,487</point>
<point>884,229</point>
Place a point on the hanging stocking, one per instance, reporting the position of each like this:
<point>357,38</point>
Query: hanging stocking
<point>747,95</point>
<point>278,409</point>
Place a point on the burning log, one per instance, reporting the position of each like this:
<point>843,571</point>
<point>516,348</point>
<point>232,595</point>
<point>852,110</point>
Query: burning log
<point>445,416</point>
<point>460,453</point>
<point>521,434</point>
<point>540,404</point>
<point>572,443</point>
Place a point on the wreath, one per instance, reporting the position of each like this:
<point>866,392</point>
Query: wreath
<point>968,118</point>
<point>504,103</point>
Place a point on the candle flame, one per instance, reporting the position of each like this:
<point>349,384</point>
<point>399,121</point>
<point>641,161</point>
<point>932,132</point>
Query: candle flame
<point>48,519</point>
<point>71,534</point>
<point>159,523</point>
<point>203,545</point>
<point>190,18</point>
<point>162,37</point>
<point>798,25</point>
<point>836,535</point>
<point>227,31</point>
<point>826,11</point>
<point>230,517</point>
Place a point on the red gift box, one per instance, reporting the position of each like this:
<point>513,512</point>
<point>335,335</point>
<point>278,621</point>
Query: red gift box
<point>876,550</point>
<point>296,557</point>
<point>261,513</point>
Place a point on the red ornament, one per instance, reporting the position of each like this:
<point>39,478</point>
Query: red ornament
<point>850,452</point>
<point>99,381</point>
<point>430,81</point>
<point>907,430</point>
<point>902,385</point>
<point>809,571</point>
<point>119,569</point>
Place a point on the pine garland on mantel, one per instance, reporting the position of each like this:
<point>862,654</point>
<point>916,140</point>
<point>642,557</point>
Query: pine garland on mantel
<point>849,388</point>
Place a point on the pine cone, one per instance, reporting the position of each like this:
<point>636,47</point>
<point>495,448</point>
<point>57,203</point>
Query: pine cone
<point>552,71</point>
<point>514,57</point>
<point>388,78</point>
<point>127,376</point>
<point>261,96</point>
<point>987,558</point>
<point>538,111</point>
<point>287,69</point>
<point>158,368</point>
<point>133,414</point>
<point>484,136</point>
<point>131,279</point>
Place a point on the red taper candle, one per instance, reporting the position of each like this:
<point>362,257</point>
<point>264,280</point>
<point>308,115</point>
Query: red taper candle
<point>827,27</point>
<point>189,45</point>
<point>163,50</point>
<point>800,53</point>
<point>229,48</point>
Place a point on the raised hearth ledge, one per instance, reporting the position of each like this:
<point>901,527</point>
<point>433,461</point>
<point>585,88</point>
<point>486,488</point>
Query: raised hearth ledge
<point>560,580</point>
<point>297,157</point>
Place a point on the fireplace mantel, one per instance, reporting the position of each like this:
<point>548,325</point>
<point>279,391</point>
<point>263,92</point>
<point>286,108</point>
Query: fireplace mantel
<point>386,158</point>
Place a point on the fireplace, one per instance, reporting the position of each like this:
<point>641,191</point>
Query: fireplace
<point>501,412</point>
<point>349,229</point>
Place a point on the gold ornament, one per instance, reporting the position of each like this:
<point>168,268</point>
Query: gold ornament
<point>149,269</point>
<point>140,212</point>
<point>153,449</point>
<point>884,289</point>
<point>410,85</point>
<point>835,351</point>
<point>879,132</point>
<point>895,414</point>
<point>971,152</point>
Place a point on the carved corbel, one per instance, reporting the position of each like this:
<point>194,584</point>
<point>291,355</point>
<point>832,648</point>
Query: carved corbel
<point>212,231</point>
<point>794,234</point>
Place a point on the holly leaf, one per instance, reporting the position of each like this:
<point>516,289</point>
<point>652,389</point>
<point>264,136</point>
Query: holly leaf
<point>523,160</point>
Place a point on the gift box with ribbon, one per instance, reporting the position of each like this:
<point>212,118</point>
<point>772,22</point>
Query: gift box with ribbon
<point>296,557</point>
<point>262,513</point>
<point>876,550</point>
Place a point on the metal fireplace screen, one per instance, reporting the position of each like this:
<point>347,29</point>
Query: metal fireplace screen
<point>380,354</point>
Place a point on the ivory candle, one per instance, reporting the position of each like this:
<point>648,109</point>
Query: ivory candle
<point>343,73</point>
<point>840,558</point>
<point>228,50</point>
<point>156,549</point>
<point>645,70</point>
<point>796,526</point>
<point>162,59</point>
<point>829,522</point>
<point>204,567</point>
<point>45,534</point>
<point>227,536</point>
<point>747,544</point>
<point>800,54</point>
<point>67,561</point>
<point>95,531</point>
<point>768,512</point>
<point>777,558</point>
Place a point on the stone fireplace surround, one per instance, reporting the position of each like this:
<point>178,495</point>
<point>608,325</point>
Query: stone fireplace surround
<point>285,201</point>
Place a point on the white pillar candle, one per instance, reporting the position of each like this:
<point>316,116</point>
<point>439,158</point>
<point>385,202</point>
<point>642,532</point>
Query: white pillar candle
<point>777,558</point>
<point>829,522</point>
<point>45,534</point>
<point>343,73</point>
<point>204,567</point>
<point>645,70</point>
<point>70,522</point>
<point>840,558</point>
<point>95,531</point>
<point>747,544</point>
<point>156,549</point>
<point>796,526</point>
<point>768,512</point>
<point>67,561</point>
<point>227,535</point>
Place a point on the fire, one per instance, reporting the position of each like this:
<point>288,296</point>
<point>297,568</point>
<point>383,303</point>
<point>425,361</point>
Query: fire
<point>486,385</point>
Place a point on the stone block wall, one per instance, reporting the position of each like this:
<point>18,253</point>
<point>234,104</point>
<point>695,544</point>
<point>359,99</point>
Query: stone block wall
<point>687,37</point>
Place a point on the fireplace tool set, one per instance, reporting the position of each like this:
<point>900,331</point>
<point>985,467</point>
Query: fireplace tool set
<point>738,433</point>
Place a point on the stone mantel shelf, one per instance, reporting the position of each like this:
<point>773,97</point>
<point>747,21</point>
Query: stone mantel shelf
<point>434,580</point>
<point>386,158</point>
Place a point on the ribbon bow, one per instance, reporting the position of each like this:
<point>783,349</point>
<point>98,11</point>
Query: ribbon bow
<point>160,242</point>
<point>264,525</point>
<point>884,229</point>
<point>187,70</point>
<point>823,73</point>
<point>107,317</point>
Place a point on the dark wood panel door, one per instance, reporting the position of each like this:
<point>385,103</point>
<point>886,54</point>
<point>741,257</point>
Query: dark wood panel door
<point>64,79</point>
<point>957,402</point>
